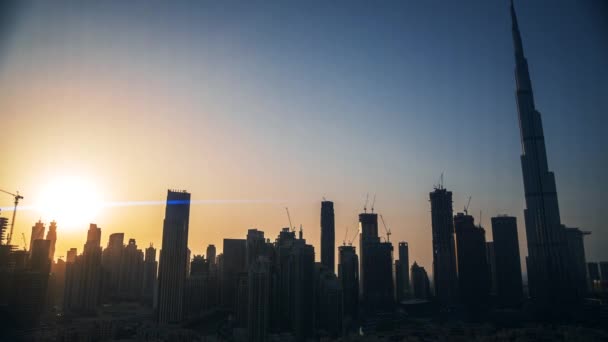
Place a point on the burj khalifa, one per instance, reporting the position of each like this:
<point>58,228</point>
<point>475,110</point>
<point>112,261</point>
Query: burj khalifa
<point>547,263</point>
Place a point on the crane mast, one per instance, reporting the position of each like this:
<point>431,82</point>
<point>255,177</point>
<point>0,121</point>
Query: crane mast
<point>17,198</point>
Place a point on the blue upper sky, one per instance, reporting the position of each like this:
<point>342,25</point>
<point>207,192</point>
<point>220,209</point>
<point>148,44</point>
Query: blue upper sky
<point>378,96</point>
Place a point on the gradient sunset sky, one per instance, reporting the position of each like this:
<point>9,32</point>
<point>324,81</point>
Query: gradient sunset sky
<point>255,106</point>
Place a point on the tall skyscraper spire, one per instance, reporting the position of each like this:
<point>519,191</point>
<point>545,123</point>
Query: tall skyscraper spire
<point>548,278</point>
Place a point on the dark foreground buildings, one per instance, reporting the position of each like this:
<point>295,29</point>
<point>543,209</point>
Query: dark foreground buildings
<point>509,286</point>
<point>328,235</point>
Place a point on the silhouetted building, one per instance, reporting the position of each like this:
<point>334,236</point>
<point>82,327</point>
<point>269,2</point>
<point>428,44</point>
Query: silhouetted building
<point>195,299</point>
<point>57,283</point>
<point>301,275</point>
<point>51,235</point>
<point>402,272</point>
<point>173,258</point>
<point>234,262</point>
<point>444,252</point>
<point>256,246</point>
<point>577,265</point>
<point>149,276</point>
<point>376,271</point>
<point>549,278</point>
<point>328,235</point>
<point>111,260</point>
<point>491,258</point>
<point>84,275</point>
<point>258,308</point>
<point>39,256</point>
<point>473,270</point>
<point>211,254</point>
<point>604,270</point>
<point>37,233</point>
<point>348,274</point>
<point>131,272</point>
<point>509,286</point>
<point>329,302</point>
<point>420,282</point>
<point>3,225</point>
<point>280,299</point>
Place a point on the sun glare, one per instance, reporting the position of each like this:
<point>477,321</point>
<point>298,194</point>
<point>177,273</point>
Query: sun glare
<point>71,201</point>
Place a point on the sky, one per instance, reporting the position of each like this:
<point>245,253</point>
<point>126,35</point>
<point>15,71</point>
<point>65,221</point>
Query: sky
<point>257,106</point>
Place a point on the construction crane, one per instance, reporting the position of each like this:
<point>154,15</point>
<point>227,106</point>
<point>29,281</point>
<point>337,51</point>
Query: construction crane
<point>24,242</point>
<point>17,198</point>
<point>292,228</point>
<point>350,242</point>
<point>373,202</point>
<point>365,205</point>
<point>466,207</point>
<point>388,231</point>
<point>345,237</point>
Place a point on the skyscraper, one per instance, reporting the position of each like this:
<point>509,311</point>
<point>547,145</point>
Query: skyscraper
<point>329,302</point>
<point>37,233</point>
<point>402,272</point>
<point>301,276</point>
<point>376,271</point>
<point>130,283</point>
<point>111,258</point>
<point>509,286</point>
<point>473,270</point>
<point>577,265</point>
<point>328,235</point>
<point>173,258</point>
<point>348,274</point>
<point>444,253</point>
<point>234,263</point>
<point>149,276</point>
<point>211,254</point>
<point>549,279</point>
<point>420,282</point>
<point>51,235</point>
<point>258,308</point>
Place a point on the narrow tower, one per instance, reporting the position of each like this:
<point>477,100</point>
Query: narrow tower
<point>328,235</point>
<point>549,282</point>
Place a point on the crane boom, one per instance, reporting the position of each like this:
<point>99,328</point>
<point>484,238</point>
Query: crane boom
<point>17,198</point>
<point>24,242</point>
<point>373,203</point>
<point>466,208</point>
<point>289,218</point>
<point>388,231</point>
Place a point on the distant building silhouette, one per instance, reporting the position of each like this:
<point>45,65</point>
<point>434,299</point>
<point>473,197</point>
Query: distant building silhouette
<point>211,254</point>
<point>348,274</point>
<point>259,304</point>
<point>509,286</point>
<point>376,270</point>
<point>111,260</point>
<point>444,252</point>
<point>328,235</point>
<point>51,235</point>
<point>234,263</point>
<point>37,233</point>
<point>329,302</point>
<point>84,275</point>
<point>402,272</point>
<point>301,277</point>
<point>131,272</point>
<point>551,280</point>
<point>473,269</point>
<point>149,276</point>
<point>420,282</point>
<point>173,258</point>
<point>577,265</point>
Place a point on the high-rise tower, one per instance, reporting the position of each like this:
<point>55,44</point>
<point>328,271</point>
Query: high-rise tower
<point>328,235</point>
<point>444,252</point>
<point>548,277</point>
<point>51,235</point>
<point>37,233</point>
<point>173,257</point>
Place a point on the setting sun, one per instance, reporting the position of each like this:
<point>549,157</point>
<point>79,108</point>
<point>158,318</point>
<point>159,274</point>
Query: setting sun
<point>71,201</point>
